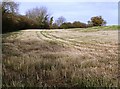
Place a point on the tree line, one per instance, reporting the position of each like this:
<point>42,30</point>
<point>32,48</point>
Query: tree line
<point>39,18</point>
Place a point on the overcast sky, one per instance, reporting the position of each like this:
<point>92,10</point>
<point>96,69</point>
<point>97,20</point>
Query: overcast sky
<point>76,10</point>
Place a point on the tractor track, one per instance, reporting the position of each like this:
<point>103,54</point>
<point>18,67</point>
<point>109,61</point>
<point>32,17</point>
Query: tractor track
<point>92,49</point>
<point>77,45</point>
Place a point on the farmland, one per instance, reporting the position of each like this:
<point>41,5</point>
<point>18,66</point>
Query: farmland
<point>79,57</point>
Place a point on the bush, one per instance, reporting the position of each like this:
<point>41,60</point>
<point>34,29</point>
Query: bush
<point>11,22</point>
<point>55,26</point>
<point>66,25</point>
<point>78,24</point>
<point>26,23</point>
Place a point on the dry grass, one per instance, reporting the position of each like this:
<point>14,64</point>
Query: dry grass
<point>67,58</point>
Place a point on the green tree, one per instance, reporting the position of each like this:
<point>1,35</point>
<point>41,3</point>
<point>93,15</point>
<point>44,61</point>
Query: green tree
<point>51,22</point>
<point>97,21</point>
<point>46,22</point>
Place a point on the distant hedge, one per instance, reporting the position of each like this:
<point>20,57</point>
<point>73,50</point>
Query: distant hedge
<point>11,22</point>
<point>75,24</point>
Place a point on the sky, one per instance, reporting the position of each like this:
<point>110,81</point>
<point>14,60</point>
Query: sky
<point>68,0</point>
<point>76,10</point>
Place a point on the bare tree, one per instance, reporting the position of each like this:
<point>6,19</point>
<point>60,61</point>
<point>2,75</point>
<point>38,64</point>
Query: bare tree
<point>9,6</point>
<point>40,15</point>
<point>60,20</point>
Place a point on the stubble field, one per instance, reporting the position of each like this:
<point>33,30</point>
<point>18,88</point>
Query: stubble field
<point>60,58</point>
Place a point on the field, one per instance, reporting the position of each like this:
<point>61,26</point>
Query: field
<point>61,58</point>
